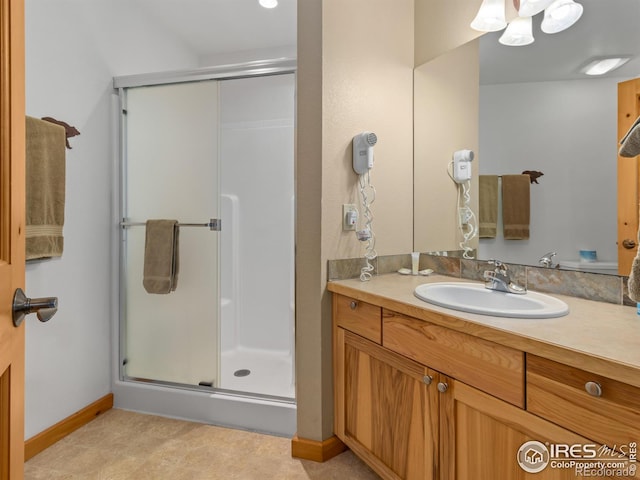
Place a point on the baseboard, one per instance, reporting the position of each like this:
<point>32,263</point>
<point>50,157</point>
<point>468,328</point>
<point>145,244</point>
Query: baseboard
<point>57,432</point>
<point>316,451</point>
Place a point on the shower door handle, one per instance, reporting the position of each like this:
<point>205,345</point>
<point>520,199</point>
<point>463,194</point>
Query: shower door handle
<point>44,308</point>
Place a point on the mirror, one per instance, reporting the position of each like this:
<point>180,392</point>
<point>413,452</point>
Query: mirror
<point>537,111</point>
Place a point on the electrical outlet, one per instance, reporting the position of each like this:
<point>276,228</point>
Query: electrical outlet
<point>349,216</point>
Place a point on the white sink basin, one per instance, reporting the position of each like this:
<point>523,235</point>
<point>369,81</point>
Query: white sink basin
<point>475,298</point>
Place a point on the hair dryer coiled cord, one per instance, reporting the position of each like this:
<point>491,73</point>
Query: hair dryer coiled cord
<point>368,194</point>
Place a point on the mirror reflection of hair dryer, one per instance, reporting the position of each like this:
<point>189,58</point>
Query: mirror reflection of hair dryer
<point>363,151</point>
<point>462,165</point>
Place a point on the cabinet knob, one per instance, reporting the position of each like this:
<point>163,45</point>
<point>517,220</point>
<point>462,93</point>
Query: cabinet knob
<point>593,388</point>
<point>628,243</point>
<point>353,305</point>
<point>427,379</point>
<point>442,387</point>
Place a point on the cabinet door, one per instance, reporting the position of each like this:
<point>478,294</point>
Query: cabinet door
<point>482,438</point>
<point>385,410</point>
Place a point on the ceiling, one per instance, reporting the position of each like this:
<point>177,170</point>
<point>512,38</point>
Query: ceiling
<point>211,27</point>
<point>607,27</point>
<point>214,27</point>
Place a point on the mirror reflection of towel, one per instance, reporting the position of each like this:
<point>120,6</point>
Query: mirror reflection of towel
<point>161,256</point>
<point>488,208</point>
<point>516,206</point>
<point>633,284</point>
<point>630,143</point>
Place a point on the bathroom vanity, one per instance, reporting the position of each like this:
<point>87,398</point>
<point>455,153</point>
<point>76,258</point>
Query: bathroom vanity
<point>424,392</point>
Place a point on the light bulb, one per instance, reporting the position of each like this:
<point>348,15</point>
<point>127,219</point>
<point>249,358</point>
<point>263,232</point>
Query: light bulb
<point>560,15</point>
<point>268,3</point>
<point>529,8</point>
<point>490,17</point>
<point>518,33</point>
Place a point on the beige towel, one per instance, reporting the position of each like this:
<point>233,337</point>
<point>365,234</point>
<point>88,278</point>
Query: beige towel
<point>633,284</point>
<point>488,211</point>
<point>45,188</point>
<point>161,256</point>
<point>630,143</point>
<point>515,206</point>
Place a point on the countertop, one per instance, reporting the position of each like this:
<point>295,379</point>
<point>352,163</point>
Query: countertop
<point>598,337</point>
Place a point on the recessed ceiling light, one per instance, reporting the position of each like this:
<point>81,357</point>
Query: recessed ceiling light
<point>601,66</point>
<point>268,3</point>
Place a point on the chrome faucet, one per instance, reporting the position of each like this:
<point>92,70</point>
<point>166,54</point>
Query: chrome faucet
<point>546,260</point>
<point>499,279</point>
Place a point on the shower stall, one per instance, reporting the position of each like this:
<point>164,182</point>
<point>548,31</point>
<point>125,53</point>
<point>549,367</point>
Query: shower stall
<point>211,149</point>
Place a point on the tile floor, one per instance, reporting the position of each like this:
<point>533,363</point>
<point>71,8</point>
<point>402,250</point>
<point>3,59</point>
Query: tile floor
<point>122,445</point>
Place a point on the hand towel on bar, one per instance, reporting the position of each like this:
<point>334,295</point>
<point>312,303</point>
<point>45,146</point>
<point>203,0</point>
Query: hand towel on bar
<point>488,211</point>
<point>630,143</point>
<point>161,256</point>
<point>45,188</point>
<point>633,284</point>
<point>515,206</point>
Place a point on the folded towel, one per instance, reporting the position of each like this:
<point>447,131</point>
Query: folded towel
<point>515,206</point>
<point>45,188</point>
<point>630,143</point>
<point>633,284</point>
<point>161,256</point>
<point>488,211</point>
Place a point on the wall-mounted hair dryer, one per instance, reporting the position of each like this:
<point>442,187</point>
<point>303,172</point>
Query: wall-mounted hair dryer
<point>363,151</point>
<point>462,165</point>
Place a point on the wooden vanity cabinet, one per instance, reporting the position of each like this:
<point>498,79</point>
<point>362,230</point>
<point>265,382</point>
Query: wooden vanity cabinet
<point>606,410</point>
<point>481,436</point>
<point>386,408</point>
<point>416,400</point>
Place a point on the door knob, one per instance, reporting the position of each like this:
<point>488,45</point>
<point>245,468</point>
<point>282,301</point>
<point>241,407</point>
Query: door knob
<point>45,308</point>
<point>628,243</point>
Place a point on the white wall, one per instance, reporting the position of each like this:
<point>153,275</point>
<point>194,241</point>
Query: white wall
<point>73,49</point>
<point>567,130</point>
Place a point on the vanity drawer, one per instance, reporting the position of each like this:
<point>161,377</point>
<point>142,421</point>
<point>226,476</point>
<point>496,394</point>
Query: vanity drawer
<point>489,367</point>
<point>358,317</point>
<point>610,414</point>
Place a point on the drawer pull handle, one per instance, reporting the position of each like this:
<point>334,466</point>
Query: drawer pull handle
<point>353,305</point>
<point>442,387</point>
<point>427,379</point>
<point>593,388</point>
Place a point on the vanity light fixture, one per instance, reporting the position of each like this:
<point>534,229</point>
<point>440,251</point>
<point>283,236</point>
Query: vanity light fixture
<point>558,16</point>
<point>518,33</point>
<point>600,66</point>
<point>268,3</point>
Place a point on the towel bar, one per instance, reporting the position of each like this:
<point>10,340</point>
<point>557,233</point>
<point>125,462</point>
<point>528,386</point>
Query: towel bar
<point>214,224</point>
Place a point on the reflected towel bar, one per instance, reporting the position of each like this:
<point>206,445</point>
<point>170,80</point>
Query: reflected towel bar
<point>214,224</point>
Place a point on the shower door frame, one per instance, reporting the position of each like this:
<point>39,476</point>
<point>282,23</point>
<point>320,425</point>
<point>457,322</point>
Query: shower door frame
<point>134,399</point>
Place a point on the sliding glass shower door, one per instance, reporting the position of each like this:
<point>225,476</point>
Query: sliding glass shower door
<point>170,171</point>
<point>194,151</point>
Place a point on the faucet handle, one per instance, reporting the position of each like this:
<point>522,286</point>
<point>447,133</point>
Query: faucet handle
<point>497,263</point>
<point>547,259</point>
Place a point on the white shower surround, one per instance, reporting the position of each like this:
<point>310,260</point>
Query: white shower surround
<point>257,255</point>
